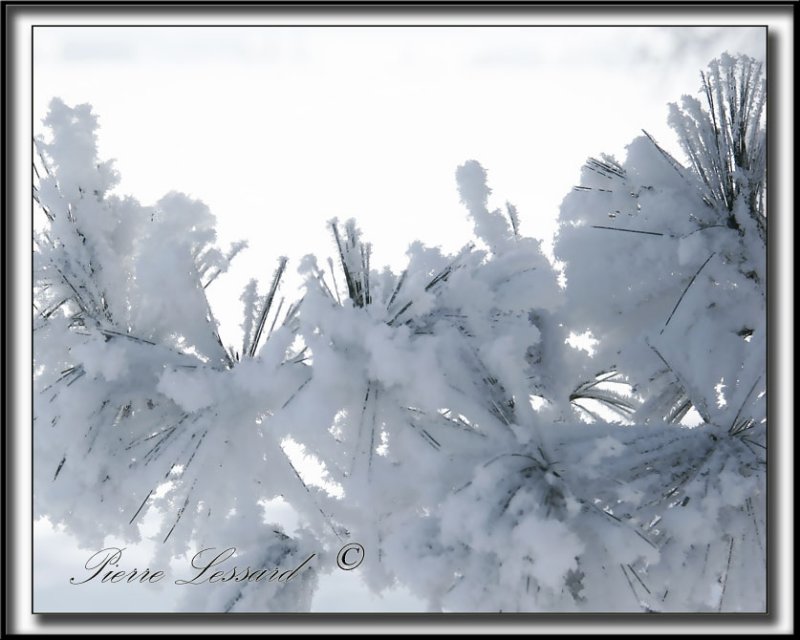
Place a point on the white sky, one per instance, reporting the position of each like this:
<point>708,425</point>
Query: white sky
<point>279,129</point>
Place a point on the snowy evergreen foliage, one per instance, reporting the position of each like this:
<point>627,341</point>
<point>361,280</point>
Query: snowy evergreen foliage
<point>483,462</point>
<point>676,297</point>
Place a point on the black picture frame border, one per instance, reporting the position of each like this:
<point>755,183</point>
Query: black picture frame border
<point>336,622</point>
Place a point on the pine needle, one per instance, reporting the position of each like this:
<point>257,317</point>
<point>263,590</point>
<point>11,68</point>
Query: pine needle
<point>649,233</point>
<point>675,308</point>
<point>267,304</point>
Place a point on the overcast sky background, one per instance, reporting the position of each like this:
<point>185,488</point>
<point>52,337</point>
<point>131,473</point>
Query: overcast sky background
<point>280,129</point>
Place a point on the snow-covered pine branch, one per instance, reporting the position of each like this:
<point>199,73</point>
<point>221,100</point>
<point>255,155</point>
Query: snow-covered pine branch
<point>133,419</point>
<point>665,266</point>
<point>438,415</point>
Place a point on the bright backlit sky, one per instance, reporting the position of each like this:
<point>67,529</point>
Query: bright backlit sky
<point>279,129</point>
